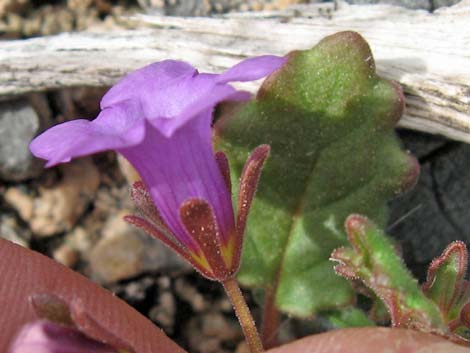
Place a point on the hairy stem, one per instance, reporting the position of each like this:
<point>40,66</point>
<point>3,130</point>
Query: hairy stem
<point>271,320</point>
<point>244,316</point>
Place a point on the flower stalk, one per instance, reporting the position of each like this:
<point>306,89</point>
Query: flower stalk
<point>243,314</point>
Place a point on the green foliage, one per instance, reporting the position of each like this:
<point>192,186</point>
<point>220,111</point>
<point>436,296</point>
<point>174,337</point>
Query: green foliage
<point>373,260</point>
<point>349,317</point>
<point>329,120</point>
<point>447,287</point>
<point>441,305</point>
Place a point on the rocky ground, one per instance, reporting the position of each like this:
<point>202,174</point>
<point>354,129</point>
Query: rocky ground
<point>82,227</point>
<point>27,18</point>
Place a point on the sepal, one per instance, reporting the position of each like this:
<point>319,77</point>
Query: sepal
<point>213,254</point>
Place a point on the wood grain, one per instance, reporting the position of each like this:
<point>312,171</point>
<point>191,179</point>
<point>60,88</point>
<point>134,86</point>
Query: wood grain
<point>428,54</point>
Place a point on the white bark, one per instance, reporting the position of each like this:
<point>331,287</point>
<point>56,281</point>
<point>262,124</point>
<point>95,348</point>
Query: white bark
<point>429,54</point>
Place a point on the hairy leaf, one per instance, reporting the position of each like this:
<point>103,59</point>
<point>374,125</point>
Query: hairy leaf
<point>329,120</point>
<point>373,260</point>
<point>441,305</point>
<point>349,317</point>
<point>27,277</point>
<point>447,287</point>
<point>446,283</point>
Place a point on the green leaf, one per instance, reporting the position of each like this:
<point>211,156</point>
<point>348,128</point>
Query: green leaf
<point>446,286</point>
<point>445,283</point>
<point>349,317</point>
<point>329,120</point>
<point>373,260</point>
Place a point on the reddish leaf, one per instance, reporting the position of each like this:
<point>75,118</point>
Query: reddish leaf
<point>24,273</point>
<point>371,340</point>
<point>51,308</point>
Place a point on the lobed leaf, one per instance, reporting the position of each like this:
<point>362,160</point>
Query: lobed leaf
<point>329,120</point>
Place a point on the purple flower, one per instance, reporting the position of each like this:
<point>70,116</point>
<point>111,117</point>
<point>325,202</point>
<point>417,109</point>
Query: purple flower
<point>46,337</point>
<point>159,118</point>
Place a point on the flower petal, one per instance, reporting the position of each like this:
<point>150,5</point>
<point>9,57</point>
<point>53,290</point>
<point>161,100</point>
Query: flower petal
<point>212,97</point>
<point>148,81</point>
<point>252,69</point>
<point>163,89</point>
<point>182,167</point>
<point>168,94</point>
<point>116,127</point>
<point>45,337</point>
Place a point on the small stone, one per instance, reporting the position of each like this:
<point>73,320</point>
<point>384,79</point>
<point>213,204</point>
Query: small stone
<point>20,201</point>
<point>164,282</point>
<point>127,170</point>
<point>86,19</point>
<point>257,6</point>
<point>66,255</point>
<point>19,124</point>
<point>189,294</point>
<point>32,25</point>
<point>10,230</point>
<point>210,345</point>
<point>15,22</point>
<point>118,255</point>
<point>216,325</point>
<point>224,305</point>
<point>411,4</point>
<point>80,240</point>
<point>124,251</point>
<point>187,8</point>
<point>207,333</point>
<point>116,258</point>
<point>79,4</point>
<point>164,313</point>
<point>137,291</point>
<point>244,7</point>
<point>58,208</point>
<point>12,6</point>
<point>194,335</point>
<point>242,348</point>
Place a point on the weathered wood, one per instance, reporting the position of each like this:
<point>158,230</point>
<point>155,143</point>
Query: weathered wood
<point>429,54</point>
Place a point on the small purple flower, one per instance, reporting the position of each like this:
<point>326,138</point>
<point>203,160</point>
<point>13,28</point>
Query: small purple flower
<point>46,337</point>
<point>159,118</point>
